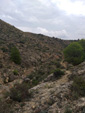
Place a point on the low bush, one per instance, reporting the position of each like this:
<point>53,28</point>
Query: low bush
<point>58,65</point>
<point>58,73</point>
<point>19,92</point>
<point>4,49</point>
<point>15,72</point>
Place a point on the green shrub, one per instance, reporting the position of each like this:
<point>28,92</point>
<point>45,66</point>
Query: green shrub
<point>82,43</point>
<point>15,72</point>
<point>15,55</point>
<point>73,53</point>
<point>58,73</point>
<point>58,65</point>
<point>19,92</point>
<point>78,87</point>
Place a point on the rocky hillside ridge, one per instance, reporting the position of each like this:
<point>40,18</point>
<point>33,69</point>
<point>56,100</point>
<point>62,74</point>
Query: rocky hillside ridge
<point>38,52</point>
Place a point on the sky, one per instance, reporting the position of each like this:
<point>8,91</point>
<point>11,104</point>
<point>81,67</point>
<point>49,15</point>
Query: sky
<point>64,19</point>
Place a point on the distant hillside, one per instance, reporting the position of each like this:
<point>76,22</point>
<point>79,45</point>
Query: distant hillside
<point>38,52</point>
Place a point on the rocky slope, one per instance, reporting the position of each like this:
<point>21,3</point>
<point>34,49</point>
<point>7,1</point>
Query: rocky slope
<point>40,55</point>
<point>38,52</point>
<point>50,97</point>
<point>55,96</point>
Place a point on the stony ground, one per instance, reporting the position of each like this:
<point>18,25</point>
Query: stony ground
<point>50,96</point>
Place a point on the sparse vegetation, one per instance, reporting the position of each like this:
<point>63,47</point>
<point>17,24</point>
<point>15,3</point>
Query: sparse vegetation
<point>5,107</point>
<point>58,73</point>
<point>57,64</point>
<point>43,111</point>
<point>68,110</point>
<point>4,49</point>
<point>20,92</point>
<point>43,71</point>
<point>41,59</point>
<point>15,72</point>
<point>78,87</point>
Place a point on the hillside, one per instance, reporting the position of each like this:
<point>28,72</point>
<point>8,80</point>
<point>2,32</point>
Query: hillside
<point>43,82</point>
<point>47,97</point>
<point>38,52</point>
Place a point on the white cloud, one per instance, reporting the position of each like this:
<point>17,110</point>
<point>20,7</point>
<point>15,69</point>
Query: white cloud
<point>76,7</point>
<point>59,18</point>
<point>60,34</point>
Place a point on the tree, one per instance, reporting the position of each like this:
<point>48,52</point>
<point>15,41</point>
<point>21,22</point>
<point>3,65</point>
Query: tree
<point>73,53</point>
<point>82,43</point>
<point>15,55</point>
